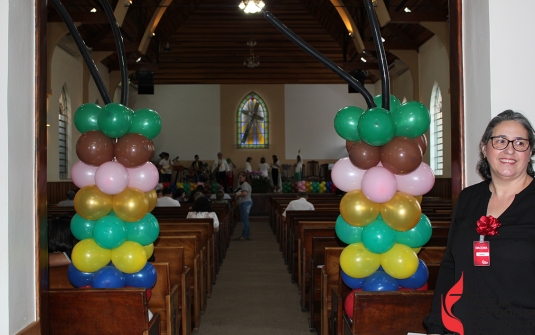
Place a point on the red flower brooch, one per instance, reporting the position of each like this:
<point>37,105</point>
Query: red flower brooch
<point>487,225</point>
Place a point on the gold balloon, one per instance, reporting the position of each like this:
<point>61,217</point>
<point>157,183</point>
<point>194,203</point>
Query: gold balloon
<point>149,249</point>
<point>402,212</point>
<point>400,261</point>
<point>129,257</point>
<point>357,210</point>
<point>130,205</point>
<point>91,203</point>
<point>418,198</point>
<point>152,197</point>
<point>87,256</point>
<point>358,262</point>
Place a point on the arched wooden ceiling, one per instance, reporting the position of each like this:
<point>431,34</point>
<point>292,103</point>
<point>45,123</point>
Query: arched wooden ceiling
<point>208,38</point>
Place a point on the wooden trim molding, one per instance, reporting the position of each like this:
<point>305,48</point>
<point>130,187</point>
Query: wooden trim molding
<point>41,243</point>
<point>458,173</point>
<point>33,328</point>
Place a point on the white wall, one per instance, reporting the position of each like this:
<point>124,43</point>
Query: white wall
<point>497,62</point>
<point>190,119</point>
<point>17,186</point>
<point>434,67</point>
<point>309,119</point>
<point>402,86</point>
<point>66,69</point>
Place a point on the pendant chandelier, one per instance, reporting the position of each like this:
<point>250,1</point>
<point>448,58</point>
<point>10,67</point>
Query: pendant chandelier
<point>252,60</point>
<point>251,6</point>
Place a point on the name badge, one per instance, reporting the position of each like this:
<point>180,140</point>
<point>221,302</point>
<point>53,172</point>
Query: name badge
<point>481,253</point>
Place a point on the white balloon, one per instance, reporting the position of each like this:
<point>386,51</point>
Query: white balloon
<point>346,176</point>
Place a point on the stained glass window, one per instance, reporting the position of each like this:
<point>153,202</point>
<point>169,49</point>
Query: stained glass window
<point>435,130</point>
<point>63,133</point>
<point>252,123</point>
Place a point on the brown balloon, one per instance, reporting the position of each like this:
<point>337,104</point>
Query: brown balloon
<point>422,143</point>
<point>349,145</point>
<point>133,150</point>
<point>402,155</point>
<point>94,148</point>
<point>364,156</point>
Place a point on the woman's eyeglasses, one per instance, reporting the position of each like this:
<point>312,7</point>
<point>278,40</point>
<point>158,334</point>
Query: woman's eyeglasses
<point>500,143</point>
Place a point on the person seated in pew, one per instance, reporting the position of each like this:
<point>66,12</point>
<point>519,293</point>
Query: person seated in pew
<point>60,240</point>
<point>220,189</point>
<point>180,195</point>
<point>199,189</point>
<point>220,199</point>
<point>69,202</point>
<point>159,193</point>
<point>301,204</point>
<point>203,209</point>
<point>167,199</point>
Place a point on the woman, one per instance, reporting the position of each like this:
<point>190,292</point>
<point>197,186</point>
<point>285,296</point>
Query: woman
<point>203,209</point>
<point>497,290</point>
<point>263,167</point>
<point>244,201</point>
<point>298,167</point>
<point>248,167</point>
<point>275,173</point>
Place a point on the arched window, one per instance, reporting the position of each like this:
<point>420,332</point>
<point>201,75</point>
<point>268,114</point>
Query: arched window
<point>63,133</point>
<point>436,146</point>
<point>252,123</point>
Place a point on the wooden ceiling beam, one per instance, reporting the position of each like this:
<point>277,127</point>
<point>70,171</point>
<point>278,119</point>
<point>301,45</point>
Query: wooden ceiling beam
<point>81,17</point>
<point>417,17</point>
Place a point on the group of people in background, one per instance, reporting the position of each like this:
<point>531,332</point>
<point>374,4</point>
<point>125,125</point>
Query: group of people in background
<point>275,167</point>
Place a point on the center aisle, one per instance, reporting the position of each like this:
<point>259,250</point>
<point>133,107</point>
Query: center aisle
<point>254,294</point>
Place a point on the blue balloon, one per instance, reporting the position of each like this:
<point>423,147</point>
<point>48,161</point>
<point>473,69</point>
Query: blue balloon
<point>418,279</point>
<point>380,281</point>
<point>79,278</point>
<point>351,282</point>
<point>108,277</point>
<point>145,277</point>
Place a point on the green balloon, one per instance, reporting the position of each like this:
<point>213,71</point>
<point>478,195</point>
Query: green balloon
<point>347,233</point>
<point>144,231</point>
<point>86,117</point>
<point>412,119</point>
<point>378,237</point>
<point>82,228</point>
<point>417,236</point>
<point>346,123</point>
<point>394,102</point>
<point>109,232</point>
<point>376,126</point>
<point>115,120</point>
<point>146,122</point>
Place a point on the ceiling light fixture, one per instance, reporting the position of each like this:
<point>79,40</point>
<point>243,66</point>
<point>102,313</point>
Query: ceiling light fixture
<point>363,59</point>
<point>251,6</point>
<point>382,39</point>
<point>138,60</point>
<point>127,3</point>
<point>93,10</point>
<point>407,10</point>
<point>252,60</point>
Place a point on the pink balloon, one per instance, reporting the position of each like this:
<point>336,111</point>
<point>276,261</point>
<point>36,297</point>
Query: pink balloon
<point>379,185</point>
<point>82,174</point>
<point>111,178</point>
<point>418,182</point>
<point>144,177</point>
<point>346,176</point>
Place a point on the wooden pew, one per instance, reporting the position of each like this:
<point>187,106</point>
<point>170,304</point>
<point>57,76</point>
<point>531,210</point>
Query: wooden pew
<point>313,288</point>
<point>388,313</point>
<point>164,300</point>
<point>205,278</point>
<point>191,260</point>
<point>101,311</point>
<point>179,275</point>
<point>330,278</point>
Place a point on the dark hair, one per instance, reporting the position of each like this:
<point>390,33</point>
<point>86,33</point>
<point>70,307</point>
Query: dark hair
<point>60,238</point>
<point>198,189</point>
<point>246,177</point>
<point>167,190</point>
<point>179,192</point>
<point>248,159</point>
<point>262,160</point>
<point>483,167</point>
<point>275,159</point>
<point>220,194</point>
<point>299,158</point>
<point>302,194</point>
<point>202,205</point>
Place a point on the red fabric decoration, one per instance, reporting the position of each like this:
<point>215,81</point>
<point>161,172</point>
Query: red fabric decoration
<point>488,225</point>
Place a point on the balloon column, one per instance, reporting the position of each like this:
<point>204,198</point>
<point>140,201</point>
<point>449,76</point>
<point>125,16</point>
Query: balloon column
<point>380,216</point>
<point>116,181</point>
